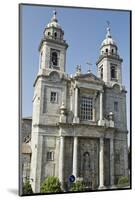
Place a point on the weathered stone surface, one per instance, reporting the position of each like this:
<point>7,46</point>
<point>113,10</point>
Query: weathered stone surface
<point>63,142</point>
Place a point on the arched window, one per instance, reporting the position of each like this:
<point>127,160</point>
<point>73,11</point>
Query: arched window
<point>112,51</point>
<point>55,35</point>
<point>54,58</point>
<point>48,33</point>
<point>106,50</point>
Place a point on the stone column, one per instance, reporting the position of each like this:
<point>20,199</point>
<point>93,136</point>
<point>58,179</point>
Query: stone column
<point>71,100</point>
<point>75,157</point>
<point>111,162</point>
<point>76,119</point>
<point>61,160</point>
<point>101,106</point>
<point>101,164</point>
<point>125,146</point>
<point>101,121</point>
<point>36,163</point>
<point>76,102</point>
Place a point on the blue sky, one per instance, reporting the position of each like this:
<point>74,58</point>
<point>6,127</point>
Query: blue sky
<point>84,30</point>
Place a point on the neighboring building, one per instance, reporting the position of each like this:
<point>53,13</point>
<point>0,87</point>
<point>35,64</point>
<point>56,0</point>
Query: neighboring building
<point>26,148</point>
<point>79,123</point>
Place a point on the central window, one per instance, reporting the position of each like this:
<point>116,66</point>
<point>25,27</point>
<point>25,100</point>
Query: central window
<point>86,108</point>
<point>53,97</point>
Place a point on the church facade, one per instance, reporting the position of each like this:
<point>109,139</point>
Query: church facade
<point>79,124</point>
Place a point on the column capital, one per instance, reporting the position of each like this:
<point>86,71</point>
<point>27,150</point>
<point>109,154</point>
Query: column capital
<point>76,86</point>
<point>101,91</point>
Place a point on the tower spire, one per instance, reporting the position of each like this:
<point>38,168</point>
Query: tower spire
<point>54,16</point>
<point>108,34</point>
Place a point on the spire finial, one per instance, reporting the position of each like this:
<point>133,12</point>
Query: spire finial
<point>54,15</point>
<point>78,70</point>
<point>108,23</point>
<point>108,34</point>
<point>54,12</point>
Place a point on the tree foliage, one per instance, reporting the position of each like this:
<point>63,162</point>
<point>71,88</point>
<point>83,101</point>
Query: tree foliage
<point>27,189</point>
<point>51,184</point>
<point>78,186</point>
<point>123,181</point>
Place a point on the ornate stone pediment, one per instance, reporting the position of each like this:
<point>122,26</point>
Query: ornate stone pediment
<point>54,76</point>
<point>89,78</point>
<point>116,88</point>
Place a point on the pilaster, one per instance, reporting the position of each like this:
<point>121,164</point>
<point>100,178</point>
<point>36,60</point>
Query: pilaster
<point>101,164</point>
<point>61,161</point>
<point>101,121</point>
<point>76,118</point>
<point>111,162</point>
<point>75,157</point>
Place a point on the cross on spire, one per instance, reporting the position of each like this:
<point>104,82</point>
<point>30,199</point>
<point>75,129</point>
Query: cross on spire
<point>108,34</point>
<point>89,64</point>
<point>108,23</point>
<point>54,15</point>
<point>54,12</point>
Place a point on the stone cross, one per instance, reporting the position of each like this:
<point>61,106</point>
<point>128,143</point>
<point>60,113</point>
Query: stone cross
<point>108,23</point>
<point>89,64</point>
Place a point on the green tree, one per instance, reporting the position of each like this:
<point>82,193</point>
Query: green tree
<point>27,189</point>
<point>78,186</point>
<point>123,181</point>
<point>51,184</point>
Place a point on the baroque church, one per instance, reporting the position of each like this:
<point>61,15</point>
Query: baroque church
<point>79,124</point>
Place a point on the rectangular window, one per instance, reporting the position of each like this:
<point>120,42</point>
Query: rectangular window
<point>116,106</point>
<point>53,97</point>
<point>86,108</point>
<point>50,155</point>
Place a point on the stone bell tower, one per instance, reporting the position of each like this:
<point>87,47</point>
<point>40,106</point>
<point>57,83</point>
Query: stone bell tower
<point>49,94</point>
<point>109,62</point>
<point>52,48</point>
<point>109,69</point>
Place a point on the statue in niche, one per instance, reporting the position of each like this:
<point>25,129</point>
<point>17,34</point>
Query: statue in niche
<point>86,167</point>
